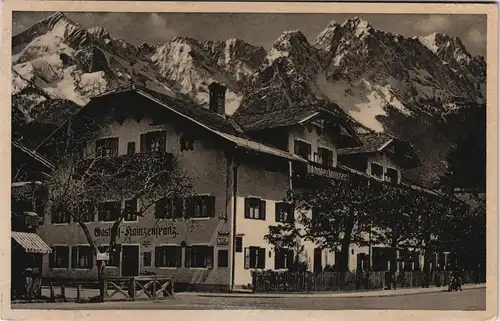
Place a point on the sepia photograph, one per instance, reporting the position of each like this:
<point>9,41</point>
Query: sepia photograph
<point>249,161</point>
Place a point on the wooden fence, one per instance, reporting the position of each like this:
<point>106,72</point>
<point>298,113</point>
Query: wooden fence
<point>139,287</point>
<point>271,281</point>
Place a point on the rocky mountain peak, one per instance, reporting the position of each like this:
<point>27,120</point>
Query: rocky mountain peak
<point>99,32</point>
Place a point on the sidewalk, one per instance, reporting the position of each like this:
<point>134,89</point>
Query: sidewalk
<point>357,294</point>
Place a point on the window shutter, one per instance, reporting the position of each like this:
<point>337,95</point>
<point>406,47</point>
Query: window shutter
<point>159,208</point>
<point>187,258</point>
<point>91,258</point>
<point>163,141</point>
<point>114,146</point>
<point>247,208</point>
<point>247,258</point>
<point>52,256</point>
<point>262,258</point>
<point>210,257</point>
<point>158,256</point>
<point>277,212</point>
<point>74,257</point>
<point>291,213</point>
<point>277,254</point>
<point>211,206</point>
<point>289,259</point>
<point>295,147</point>
<point>190,206</point>
<point>178,256</point>
<point>178,207</point>
<point>143,143</point>
<point>262,209</point>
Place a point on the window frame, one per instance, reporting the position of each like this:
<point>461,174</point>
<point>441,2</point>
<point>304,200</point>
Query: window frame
<point>381,168</point>
<point>114,141</point>
<point>296,148</point>
<point>145,144</point>
<point>189,253</point>
<point>101,204</point>
<point>289,210</point>
<point>226,258</point>
<point>205,203</point>
<point>259,205</point>
<point>257,252</point>
<point>329,152</point>
<point>52,257</point>
<point>176,204</point>
<point>136,219</point>
<point>389,168</point>
<point>287,257</point>
<point>77,255</point>
<point>163,247</point>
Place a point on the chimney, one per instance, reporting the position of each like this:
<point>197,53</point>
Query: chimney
<point>217,98</point>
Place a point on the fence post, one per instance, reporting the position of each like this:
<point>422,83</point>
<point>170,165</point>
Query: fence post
<point>78,292</point>
<point>154,286</point>
<point>52,295</point>
<point>63,291</point>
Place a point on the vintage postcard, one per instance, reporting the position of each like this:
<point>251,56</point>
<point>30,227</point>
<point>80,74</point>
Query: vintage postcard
<point>254,160</point>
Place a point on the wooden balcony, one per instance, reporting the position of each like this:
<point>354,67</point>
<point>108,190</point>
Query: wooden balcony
<point>303,173</point>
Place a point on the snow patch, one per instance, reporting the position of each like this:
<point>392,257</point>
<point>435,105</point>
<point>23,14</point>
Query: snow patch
<point>274,54</point>
<point>361,102</point>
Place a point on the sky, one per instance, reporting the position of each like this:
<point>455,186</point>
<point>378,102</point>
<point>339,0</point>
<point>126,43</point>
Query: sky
<point>262,29</point>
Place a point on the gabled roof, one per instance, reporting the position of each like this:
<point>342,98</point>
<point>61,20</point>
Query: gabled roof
<point>378,142</point>
<point>372,143</point>
<point>34,155</point>
<point>224,127</point>
<point>277,118</point>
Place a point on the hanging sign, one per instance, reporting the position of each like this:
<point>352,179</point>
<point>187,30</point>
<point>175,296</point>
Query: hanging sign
<point>103,256</point>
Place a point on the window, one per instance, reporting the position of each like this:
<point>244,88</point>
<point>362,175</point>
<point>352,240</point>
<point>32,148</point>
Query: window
<point>284,213</point>
<point>239,244</point>
<point>109,211</point>
<point>199,256</point>
<point>255,257</point>
<point>326,156</point>
<point>86,211</point>
<point>153,142</point>
<point>130,210</point>
<point>255,208</point>
<point>223,258</point>
<point>186,142</point>
<point>60,216</point>
<point>106,147</point>
<point>169,208</point>
<point>82,257</point>
<point>377,170</point>
<point>114,255</point>
<point>283,258</point>
<point>202,206</point>
<point>59,258</point>
<point>392,175</point>
<point>131,148</point>
<point>302,149</point>
<point>146,259</point>
<point>168,256</point>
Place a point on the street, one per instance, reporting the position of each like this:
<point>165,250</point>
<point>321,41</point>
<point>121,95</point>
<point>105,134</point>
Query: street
<point>469,300</point>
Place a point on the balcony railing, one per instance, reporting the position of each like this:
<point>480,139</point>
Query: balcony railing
<point>303,172</point>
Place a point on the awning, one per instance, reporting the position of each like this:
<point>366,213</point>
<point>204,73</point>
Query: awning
<point>31,242</point>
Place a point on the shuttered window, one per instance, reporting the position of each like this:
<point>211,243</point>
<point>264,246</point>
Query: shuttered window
<point>82,257</point>
<point>255,208</point>
<point>168,256</point>
<point>106,147</point>
<point>199,256</point>
<point>255,257</point>
<point>59,258</point>
<point>153,142</point>
<point>284,212</point>
<point>283,258</point>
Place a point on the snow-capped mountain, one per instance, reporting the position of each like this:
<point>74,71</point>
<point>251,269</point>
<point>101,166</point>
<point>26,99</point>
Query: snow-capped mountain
<point>411,87</point>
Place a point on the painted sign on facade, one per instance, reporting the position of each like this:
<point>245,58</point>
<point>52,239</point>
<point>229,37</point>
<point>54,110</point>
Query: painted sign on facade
<point>157,231</point>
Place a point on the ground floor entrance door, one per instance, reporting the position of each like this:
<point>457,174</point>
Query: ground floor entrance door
<point>130,260</point>
<point>318,264</point>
